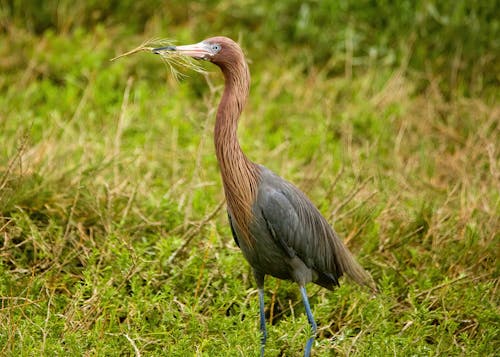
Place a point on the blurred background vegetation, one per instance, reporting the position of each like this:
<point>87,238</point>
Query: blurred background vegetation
<point>113,237</point>
<point>457,41</point>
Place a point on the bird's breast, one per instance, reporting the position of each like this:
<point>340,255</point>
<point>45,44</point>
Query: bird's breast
<point>263,253</point>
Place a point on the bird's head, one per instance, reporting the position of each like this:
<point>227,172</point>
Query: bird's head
<point>221,51</point>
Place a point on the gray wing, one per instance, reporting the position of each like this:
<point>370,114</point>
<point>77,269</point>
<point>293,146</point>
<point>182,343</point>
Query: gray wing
<point>298,227</point>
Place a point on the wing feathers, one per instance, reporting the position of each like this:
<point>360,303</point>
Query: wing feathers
<point>297,225</point>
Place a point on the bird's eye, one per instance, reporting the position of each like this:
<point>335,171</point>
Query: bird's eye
<point>216,47</point>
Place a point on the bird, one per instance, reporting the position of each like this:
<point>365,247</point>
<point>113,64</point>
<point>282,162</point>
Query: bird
<point>279,230</point>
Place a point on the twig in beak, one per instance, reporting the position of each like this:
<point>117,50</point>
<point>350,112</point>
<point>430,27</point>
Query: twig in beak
<point>172,59</point>
<point>142,47</point>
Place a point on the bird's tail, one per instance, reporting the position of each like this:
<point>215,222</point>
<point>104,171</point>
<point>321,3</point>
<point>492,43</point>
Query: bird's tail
<point>351,267</point>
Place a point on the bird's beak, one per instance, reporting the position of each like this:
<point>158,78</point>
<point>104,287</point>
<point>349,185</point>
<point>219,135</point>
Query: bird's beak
<point>197,50</point>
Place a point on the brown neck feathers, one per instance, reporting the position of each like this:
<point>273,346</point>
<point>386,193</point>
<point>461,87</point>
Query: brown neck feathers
<point>239,175</point>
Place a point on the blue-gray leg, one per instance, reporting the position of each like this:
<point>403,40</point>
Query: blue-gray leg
<point>262,322</point>
<point>307,350</point>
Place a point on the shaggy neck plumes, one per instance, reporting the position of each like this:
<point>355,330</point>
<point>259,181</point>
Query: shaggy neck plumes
<point>239,175</point>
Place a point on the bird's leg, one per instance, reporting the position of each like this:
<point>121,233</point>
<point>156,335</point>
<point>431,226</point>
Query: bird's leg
<point>259,279</point>
<point>307,350</point>
<point>262,322</point>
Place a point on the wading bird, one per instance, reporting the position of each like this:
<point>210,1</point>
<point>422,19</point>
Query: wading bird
<point>280,232</point>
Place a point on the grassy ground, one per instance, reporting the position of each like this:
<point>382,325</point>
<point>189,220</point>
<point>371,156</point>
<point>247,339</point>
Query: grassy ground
<point>113,233</point>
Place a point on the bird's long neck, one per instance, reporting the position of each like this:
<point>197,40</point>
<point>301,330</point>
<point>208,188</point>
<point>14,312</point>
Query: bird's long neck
<point>239,175</point>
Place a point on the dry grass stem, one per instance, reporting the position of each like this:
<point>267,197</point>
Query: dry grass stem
<point>175,61</point>
<point>191,233</point>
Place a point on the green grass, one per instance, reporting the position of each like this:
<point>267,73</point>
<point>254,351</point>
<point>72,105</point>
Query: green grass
<point>113,233</point>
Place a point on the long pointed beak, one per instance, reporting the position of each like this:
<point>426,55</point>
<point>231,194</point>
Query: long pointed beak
<point>197,50</point>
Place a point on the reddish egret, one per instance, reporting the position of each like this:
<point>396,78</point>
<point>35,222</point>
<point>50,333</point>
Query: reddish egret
<point>280,232</point>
